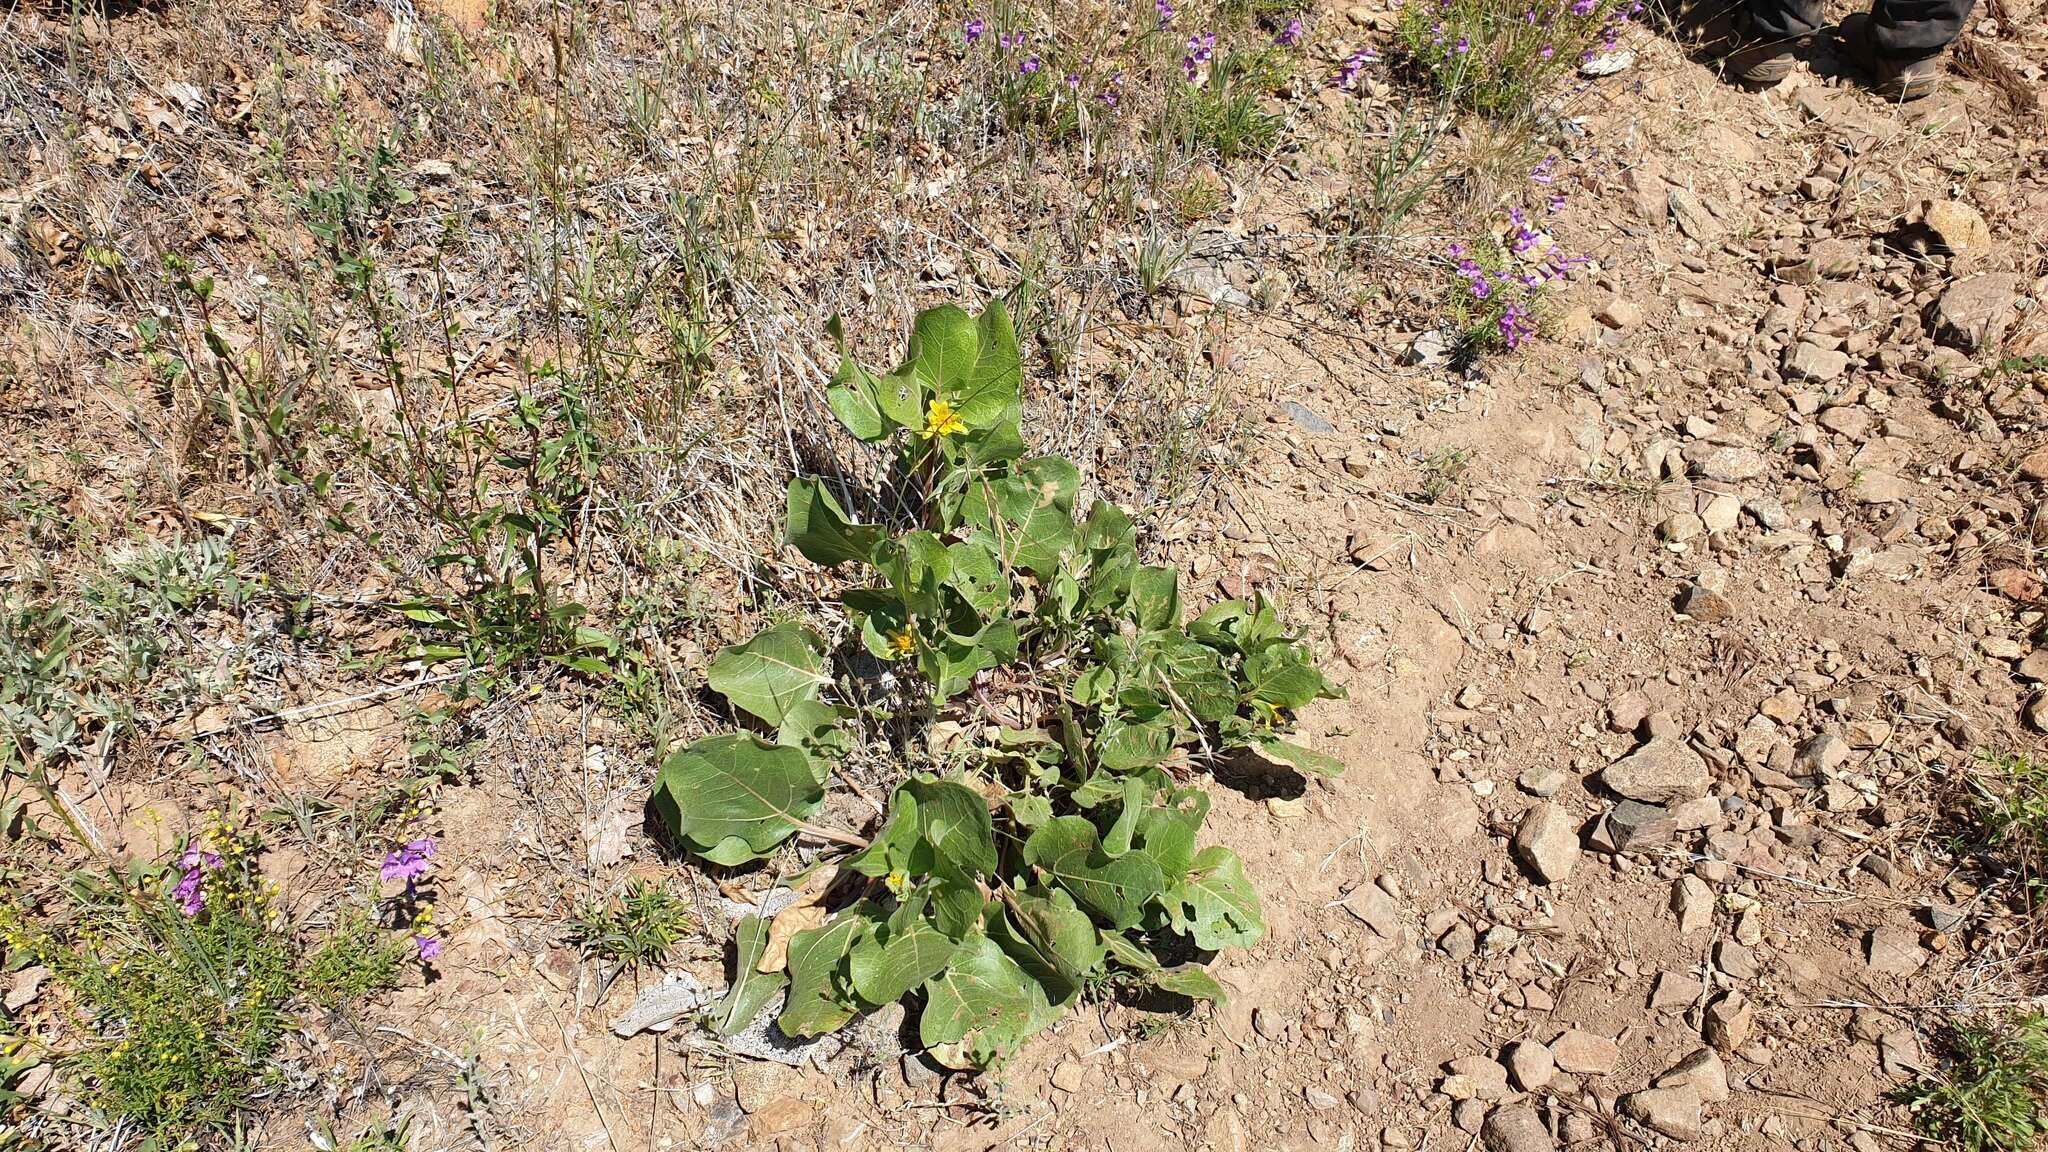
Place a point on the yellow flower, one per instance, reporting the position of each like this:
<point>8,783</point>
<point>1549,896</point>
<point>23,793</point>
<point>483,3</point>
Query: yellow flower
<point>898,882</point>
<point>901,643</point>
<point>942,420</point>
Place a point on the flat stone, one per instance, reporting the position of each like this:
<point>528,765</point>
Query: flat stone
<point>1375,909</point>
<point>1547,840</point>
<point>1673,992</point>
<point>1692,899</point>
<point>1735,961</point>
<point>1726,462</point>
<point>1584,1053</point>
<point>1529,1064</point>
<point>1894,951</point>
<point>1806,362</point>
<point>1899,1054</point>
<point>1705,605</point>
<point>1975,313</point>
<point>1660,772</point>
<point>1877,487</point>
<point>1673,1112</point>
<point>1486,1078</point>
<point>1704,1070</point>
<point>1516,1128</point>
<point>1634,826</point>
<point>1619,313</point>
<point>1626,712</point>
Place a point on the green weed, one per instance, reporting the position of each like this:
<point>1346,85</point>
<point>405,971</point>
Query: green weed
<point>636,930</point>
<point>2010,796</point>
<point>1503,58</point>
<point>1991,1094</point>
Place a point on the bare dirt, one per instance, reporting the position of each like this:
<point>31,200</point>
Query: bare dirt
<point>1744,506</point>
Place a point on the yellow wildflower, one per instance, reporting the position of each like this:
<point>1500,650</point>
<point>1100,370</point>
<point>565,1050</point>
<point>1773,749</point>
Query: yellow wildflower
<point>898,882</point>
<point>901,644</point>
<point>942,420</point>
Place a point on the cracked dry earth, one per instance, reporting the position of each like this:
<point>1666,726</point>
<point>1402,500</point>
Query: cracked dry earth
<point>1652,709</point>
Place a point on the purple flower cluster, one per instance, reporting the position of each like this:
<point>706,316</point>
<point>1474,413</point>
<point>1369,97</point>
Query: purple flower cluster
<point>408,861</point>
<point>1028,65</point>
<point>1165,10</point>
<point>1110,89</point>
<point>1353,67</point>
<point>1515,326</point>
<point>1201,49</point>
<point>1290,35</point>
<point>1009,40</point>
<point>191,890</point>
<point>973,28</point>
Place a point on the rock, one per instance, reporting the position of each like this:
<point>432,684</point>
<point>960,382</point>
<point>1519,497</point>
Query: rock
<point>1067,1076</point>
<point>1947,228</point>
<point>1726,462</point>
<point>1633,826</point>
<point>1679,528</point>
<point>1851,420</point>
<point>1876,487</point>
<point>1459,943</point>
<point>1704,605</point>
<point>1377,910</point>
<point>2034,465</point>
<point>1821,755</point>
<point>1543,782</point>
<point>1516,1128</point>
<point>1619,313</point>
<point>1836,258</point>
<point>1893,951</point>
<point>1673,992</point>
<point>1384,552</point>
<point>1673,1112</point>
<point>1692,899</point>
<point>1529,1064</point>
<point>1898,1053</point>
<point>2016,584</point>
<point>1476,1077</point>
<point>1547,840</point>
<point>1729,1021</point>
<point>1660,772</point>
<point>1692,217</point>
<point>1307,419</point>
<point>1974,314</point>
<point>785,1114</point>
<point>1431,349</point>
<point>1584,1054</point>
<point>1735,961</point>
<point>1468,1115</point>
<point>1626,712</point>
<point>1806,362</point>
<point>1704,1071</point>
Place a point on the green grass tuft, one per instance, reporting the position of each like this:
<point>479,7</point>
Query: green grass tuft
<point>1990,1095</point>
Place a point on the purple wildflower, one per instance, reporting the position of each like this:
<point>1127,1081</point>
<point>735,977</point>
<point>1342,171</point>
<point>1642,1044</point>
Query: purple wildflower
<point>973,29</point>
<point>408,862</point>
<point>1165,10</point>
<point>1556,203</point>
<point>1202,46</point>
<point>1481,289</point>
<point>1540,174</point>
<point>1547,52</point>
<point>190,895</point>
<point>1584,7</point>
<point>1009,40</point>
<point>430,946</point>
<point>1290,35</point>
<point>1463,46</point>
<point>1109,90</point>
<point>1515,325</point>
<point>1353,66</point>
<point>1029,65</point>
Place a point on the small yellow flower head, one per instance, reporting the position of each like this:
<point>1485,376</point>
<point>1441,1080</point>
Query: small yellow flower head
<point>901,644</point>
<point>898,882</point>
<point>942,420</point>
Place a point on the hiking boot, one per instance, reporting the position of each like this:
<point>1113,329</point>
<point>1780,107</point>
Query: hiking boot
<point>1748,55</point>
<point>1890,76</point>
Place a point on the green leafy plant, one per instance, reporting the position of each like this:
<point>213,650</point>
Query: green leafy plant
<point>1990,1094</point>
<point>1503,58</point>
<point>1050,847</point>
<point>638,928</point>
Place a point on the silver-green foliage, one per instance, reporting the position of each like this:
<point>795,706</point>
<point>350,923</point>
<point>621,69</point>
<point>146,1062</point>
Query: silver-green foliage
<point>1060,854</point>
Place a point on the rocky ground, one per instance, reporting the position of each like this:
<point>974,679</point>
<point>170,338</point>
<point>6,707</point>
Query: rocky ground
<point>1671,643</point>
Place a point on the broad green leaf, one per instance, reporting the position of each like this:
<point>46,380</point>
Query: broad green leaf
<point>772,673</point>
<point>954,820</point>
<point>970,363</point>
<point>902,398</point>
<point>1190,980</point>
<point>1198,680</point>
<point>1216,904</point>
<point>894,849</point>
<point>983,999</point>
<point>817,1003</point>
<point>820,529</point>
<point>852,394</point>
<point>1066,853</point>
<point>1039,541</point>
<point>1280,675</point>
<point>732,798</point>
<point>1050,480</point>
<point>978,576</point>
<point>889,965</point>
<point>1305,759</point>
<point>1155,597</point>
<point>1126,746</point>
<point>813,726</point>
<point>1129,954</point>
<point>1107,529</point>
<point>1166,832</point>
<point>1030,809</point>
<point>1052,939</point>
<point>1118,840</point>
<point>751,990</point>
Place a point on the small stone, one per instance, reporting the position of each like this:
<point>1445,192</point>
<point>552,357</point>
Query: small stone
<point>1516,1128</point>
<point>1807,362</point>
<point>1705,606</point>
<point>1729,1021</point>
<point>1821,755</point>
<point>1626,712</point>
<point>1945,917</point>
<point>1459,943</point>
<point>1486,1076</point>
<point>1673,1112</point>
<point>1633,826</point>
<point>1320,1100</point>
<point>1584,1054</point>
<point>1530,1065</point>
<point>1468,1115</point>
<point>1681,527</point>
<point>1879,487</point>
<point>1543,782</point>
<point>1547,840</point>
<point>1726,462</point>
<point>1660,772</point>
<point>1692,217</point>
<point>1066,1076</point>
<point>1735,961</point>
<point>1619,313</point>
<point>1894,951</point>
<point>1704,1071</point>
<point>1898,1053</point>
<point>1693,901</point>
<point>1673,992</point>
<point>1975,313</point>
<point>786,1114</point>
<point>1377,910</point>
<point>1431,349</point>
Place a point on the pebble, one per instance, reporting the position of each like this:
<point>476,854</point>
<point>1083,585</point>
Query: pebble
<point>1660,772</point>
<point>1703,1070</point>
<point>1673,1112</point>
<point>1547,840</point>
<point>1693,901</point>
<point>1584,1054</point>
<point>1894,951</point>
<point>1729,1021</point>
<point>1530,1064</point>
<point>1516,1128</point>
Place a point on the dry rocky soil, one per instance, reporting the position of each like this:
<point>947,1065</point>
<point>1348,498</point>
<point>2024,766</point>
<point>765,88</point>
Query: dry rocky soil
<point>1667,644</point>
